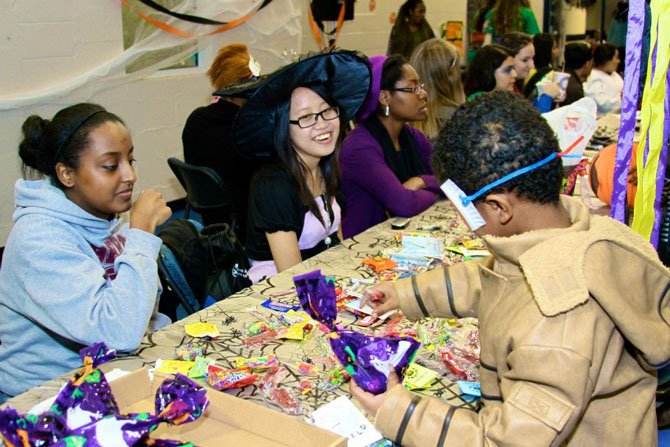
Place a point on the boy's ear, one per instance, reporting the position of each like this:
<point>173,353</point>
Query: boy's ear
<point>65,174</point>
<point>501,206</point>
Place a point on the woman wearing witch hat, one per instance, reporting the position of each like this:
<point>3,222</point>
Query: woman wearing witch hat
<point>294,118</point>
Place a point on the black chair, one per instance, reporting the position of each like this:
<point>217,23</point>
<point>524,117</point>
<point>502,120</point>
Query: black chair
<point>205,191</point>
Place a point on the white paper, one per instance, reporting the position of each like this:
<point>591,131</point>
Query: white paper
<point>469,213</point>
<point>342,417</point>
<point>423,246</point>
<point>355,305</point>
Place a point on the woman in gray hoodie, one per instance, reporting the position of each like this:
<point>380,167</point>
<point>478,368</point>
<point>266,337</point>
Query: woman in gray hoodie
<point>73,273</point>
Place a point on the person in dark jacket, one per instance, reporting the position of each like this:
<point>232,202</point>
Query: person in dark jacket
<point>578,62</point>
<point>207,136</point>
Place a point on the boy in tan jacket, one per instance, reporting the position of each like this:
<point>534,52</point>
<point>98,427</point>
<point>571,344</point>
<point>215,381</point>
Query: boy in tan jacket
<point>573,308</point>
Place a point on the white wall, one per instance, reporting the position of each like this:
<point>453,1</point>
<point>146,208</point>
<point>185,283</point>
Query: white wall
<point>46,42</point>
<point>594,14</point>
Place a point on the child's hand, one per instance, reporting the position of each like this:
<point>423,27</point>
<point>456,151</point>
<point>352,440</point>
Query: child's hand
<point>149,211</point>
<point>552,89</point>
<point>369,402</point>
<point>382,298</point>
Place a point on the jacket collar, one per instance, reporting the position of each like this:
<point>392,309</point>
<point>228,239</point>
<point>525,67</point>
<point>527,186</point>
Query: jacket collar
<point>507,250</point>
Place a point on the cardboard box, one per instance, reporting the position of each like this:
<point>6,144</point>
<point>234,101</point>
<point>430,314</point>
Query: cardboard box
<point>227,421</point>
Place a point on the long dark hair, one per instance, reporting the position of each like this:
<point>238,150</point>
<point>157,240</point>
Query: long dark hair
<point>481,15</point>
<point>544,45</point>
<point>507,16</point>
<point>392,71</point>
<point>404,12</point>
<point>481,72</point>
<point>59,140</point>
<point>515,41</point>
<point>289,159</point>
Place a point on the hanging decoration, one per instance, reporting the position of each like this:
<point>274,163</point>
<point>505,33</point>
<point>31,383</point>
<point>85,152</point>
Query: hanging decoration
<point>324,10</point>
<point>651,160</point>
<point>275,31</point>
<point>654,139</point>
<point>195,19</point>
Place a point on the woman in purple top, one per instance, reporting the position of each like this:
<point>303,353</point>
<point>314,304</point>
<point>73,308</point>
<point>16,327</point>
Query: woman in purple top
<point>385,163</point>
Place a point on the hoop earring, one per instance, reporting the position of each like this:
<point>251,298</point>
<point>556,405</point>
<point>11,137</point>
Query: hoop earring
<point>387,110</point>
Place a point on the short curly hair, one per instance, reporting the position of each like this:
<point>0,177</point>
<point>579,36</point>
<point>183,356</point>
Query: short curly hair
<point>494,135</point>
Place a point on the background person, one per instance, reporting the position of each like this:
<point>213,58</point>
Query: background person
<point>604,84</point>
<point>523,49</point>
<point>508,16</point>
<point>491,69</point>
<point>578,63</point>
<point>410,29</point>
<point>208,137</point>
<point>385,162</point>
<point>546,51</point>
<point>438,65</point>
<point>73,273</point>
<point>477,29</point>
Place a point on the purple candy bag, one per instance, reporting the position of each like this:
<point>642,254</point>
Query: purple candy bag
<point>368,359</point>
<point>317,297</point>
<point>85,412</point>
<point>87,393</point>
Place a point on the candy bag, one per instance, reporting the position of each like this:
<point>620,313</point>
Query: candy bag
<point>366,358</point>
<point>85,412</point>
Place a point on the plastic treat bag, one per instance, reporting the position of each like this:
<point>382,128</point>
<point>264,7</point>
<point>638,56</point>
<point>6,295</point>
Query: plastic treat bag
<point>86,414</point>
<point>574,126</point>
<point>367,359</point>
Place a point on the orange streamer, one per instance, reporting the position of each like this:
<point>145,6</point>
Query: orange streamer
<point>171,29</point>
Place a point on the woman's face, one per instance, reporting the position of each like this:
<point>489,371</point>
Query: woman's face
<point>103,182</point>
<point>418,14</point>
<point>505,75</point>
<point>406,106</point>
<point>611,65</point>
<point>318,140</point>
<point>523,61</point>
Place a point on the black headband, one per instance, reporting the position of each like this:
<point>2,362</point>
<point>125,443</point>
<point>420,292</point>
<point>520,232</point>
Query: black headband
<point>73,130</point>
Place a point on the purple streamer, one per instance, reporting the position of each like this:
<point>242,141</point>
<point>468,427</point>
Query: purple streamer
<point>631,90</point>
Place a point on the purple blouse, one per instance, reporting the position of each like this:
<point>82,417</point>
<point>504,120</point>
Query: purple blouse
<point>370,187</point>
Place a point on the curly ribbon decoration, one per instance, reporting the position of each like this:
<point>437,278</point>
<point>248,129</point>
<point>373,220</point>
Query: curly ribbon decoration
<point>176,31</point>
<point>655,109</point>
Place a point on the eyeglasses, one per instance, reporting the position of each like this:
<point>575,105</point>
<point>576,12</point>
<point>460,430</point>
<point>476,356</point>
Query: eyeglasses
<point>416,90</point>
<point>311,118</point>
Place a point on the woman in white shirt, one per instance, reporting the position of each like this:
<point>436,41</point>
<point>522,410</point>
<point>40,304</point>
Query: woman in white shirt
<point>604,84</point>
